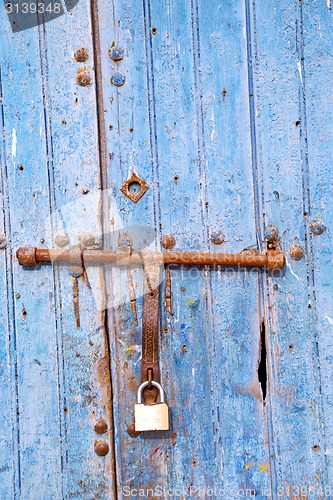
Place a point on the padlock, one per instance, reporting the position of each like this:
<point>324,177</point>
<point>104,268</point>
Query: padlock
<point>153,417</point>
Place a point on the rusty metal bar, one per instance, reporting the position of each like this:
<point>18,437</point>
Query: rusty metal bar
<point>273,259</point>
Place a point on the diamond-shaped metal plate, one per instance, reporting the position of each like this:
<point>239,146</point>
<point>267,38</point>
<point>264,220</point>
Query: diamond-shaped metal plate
<point>134,188</point>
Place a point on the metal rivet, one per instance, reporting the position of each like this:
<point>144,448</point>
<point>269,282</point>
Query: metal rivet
<point>87,239</point>
<point>271,233</point>
<point>118,79</point>
<point>317,227</point>
<point>100,426</point>
<point>116,53</point>
<point>168,241</point>
<point>84,78</point>
<point>3,242</point>
<point>81,55</point>
<point>131,431</point>
<point>101,448</point>
<point>124,240</point>
<point>297,252</point>
<point>217,238</point>
<point>61,240</point>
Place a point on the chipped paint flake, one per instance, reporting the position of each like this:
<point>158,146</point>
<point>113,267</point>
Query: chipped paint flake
<point>300,71</point>
<point>330,320</point>
<point>292,272</point>
<point>14,143</point>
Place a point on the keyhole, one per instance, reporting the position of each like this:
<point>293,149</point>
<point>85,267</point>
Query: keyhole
<point>134,187</point>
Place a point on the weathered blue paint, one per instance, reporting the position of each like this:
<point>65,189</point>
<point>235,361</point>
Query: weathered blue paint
<point>222,113</point>
<point>55,377</point>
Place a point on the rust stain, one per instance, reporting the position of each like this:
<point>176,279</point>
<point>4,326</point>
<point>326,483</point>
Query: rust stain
<point>24,313</point>
<point>76,301</point>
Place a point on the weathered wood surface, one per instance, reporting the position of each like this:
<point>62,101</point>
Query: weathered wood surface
<point>225,112</point>
<point>55,376</point>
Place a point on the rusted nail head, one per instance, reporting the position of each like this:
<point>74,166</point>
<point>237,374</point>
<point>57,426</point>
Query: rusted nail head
<point>81,55</point>
<point>84,78</point>
<point>318,227</point>
<point>124,240</point>
<point>168,241</point>
<point>87,239</point>
<point>100,426</point>
<point>3,242</point>
<point>271,233</point>
<point>132,432</point>
<point>297,252</point>
<point>61,240</point>
<point>217,238</point>
<point>118,79</point>
<point>101,448</point>
<point>116,53</point>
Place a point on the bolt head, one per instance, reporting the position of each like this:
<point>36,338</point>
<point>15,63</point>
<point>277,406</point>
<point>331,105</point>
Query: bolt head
<point>118,79</point>
<point>116,53</point>
<point>168,241</point>
<point>61,240</point>
<point>84,78</point>
<point>217,238</point>
<point>317,227</point>
<point>297,252</point>
<point>3,242</point>
<point>87,239</point>
<point>271,233</point>
<point>81,55</point>
<point>100,426</point>
<point>101,448</point>
<point>132,432</point>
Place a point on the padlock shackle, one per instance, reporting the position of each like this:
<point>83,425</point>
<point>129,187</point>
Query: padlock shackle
<point>155,384</point>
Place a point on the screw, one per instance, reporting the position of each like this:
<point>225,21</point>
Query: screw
<point>87,239</point>
<point>84,78</point>
<point>3,242</point>
<point>100,426</point>
<point>118,79</point>
<point>116,53</point>
<point>271,233</point>
<point>217,238</point>
<point>168,241</point>
<point>61,240</point>
<point>81,55</point>
<point>297,252</point>
<point>101,448</point>
<point>317,227</point>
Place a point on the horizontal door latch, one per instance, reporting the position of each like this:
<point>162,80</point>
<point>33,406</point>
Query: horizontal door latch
<point>29,256</point>
<point>150,415</point>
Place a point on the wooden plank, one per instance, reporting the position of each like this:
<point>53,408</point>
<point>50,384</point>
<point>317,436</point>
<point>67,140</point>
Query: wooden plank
<point>63,383</point>
<point>294,379</point>
<point>34,364</point>
<point>315,30</point>
<point>154,124</point>
<point>75,190</point>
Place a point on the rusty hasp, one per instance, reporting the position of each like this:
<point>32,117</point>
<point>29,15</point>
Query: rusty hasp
<point>272,259</point>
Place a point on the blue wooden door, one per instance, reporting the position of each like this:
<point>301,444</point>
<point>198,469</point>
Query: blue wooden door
<point>224,109</point>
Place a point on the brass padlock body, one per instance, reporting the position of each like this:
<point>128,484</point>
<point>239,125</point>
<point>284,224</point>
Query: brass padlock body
<point>153,417</point>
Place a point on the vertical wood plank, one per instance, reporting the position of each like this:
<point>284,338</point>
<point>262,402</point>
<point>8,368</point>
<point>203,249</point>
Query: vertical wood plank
<point>294,398</point>
<point>316,23</point>
<point>50,170</point>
